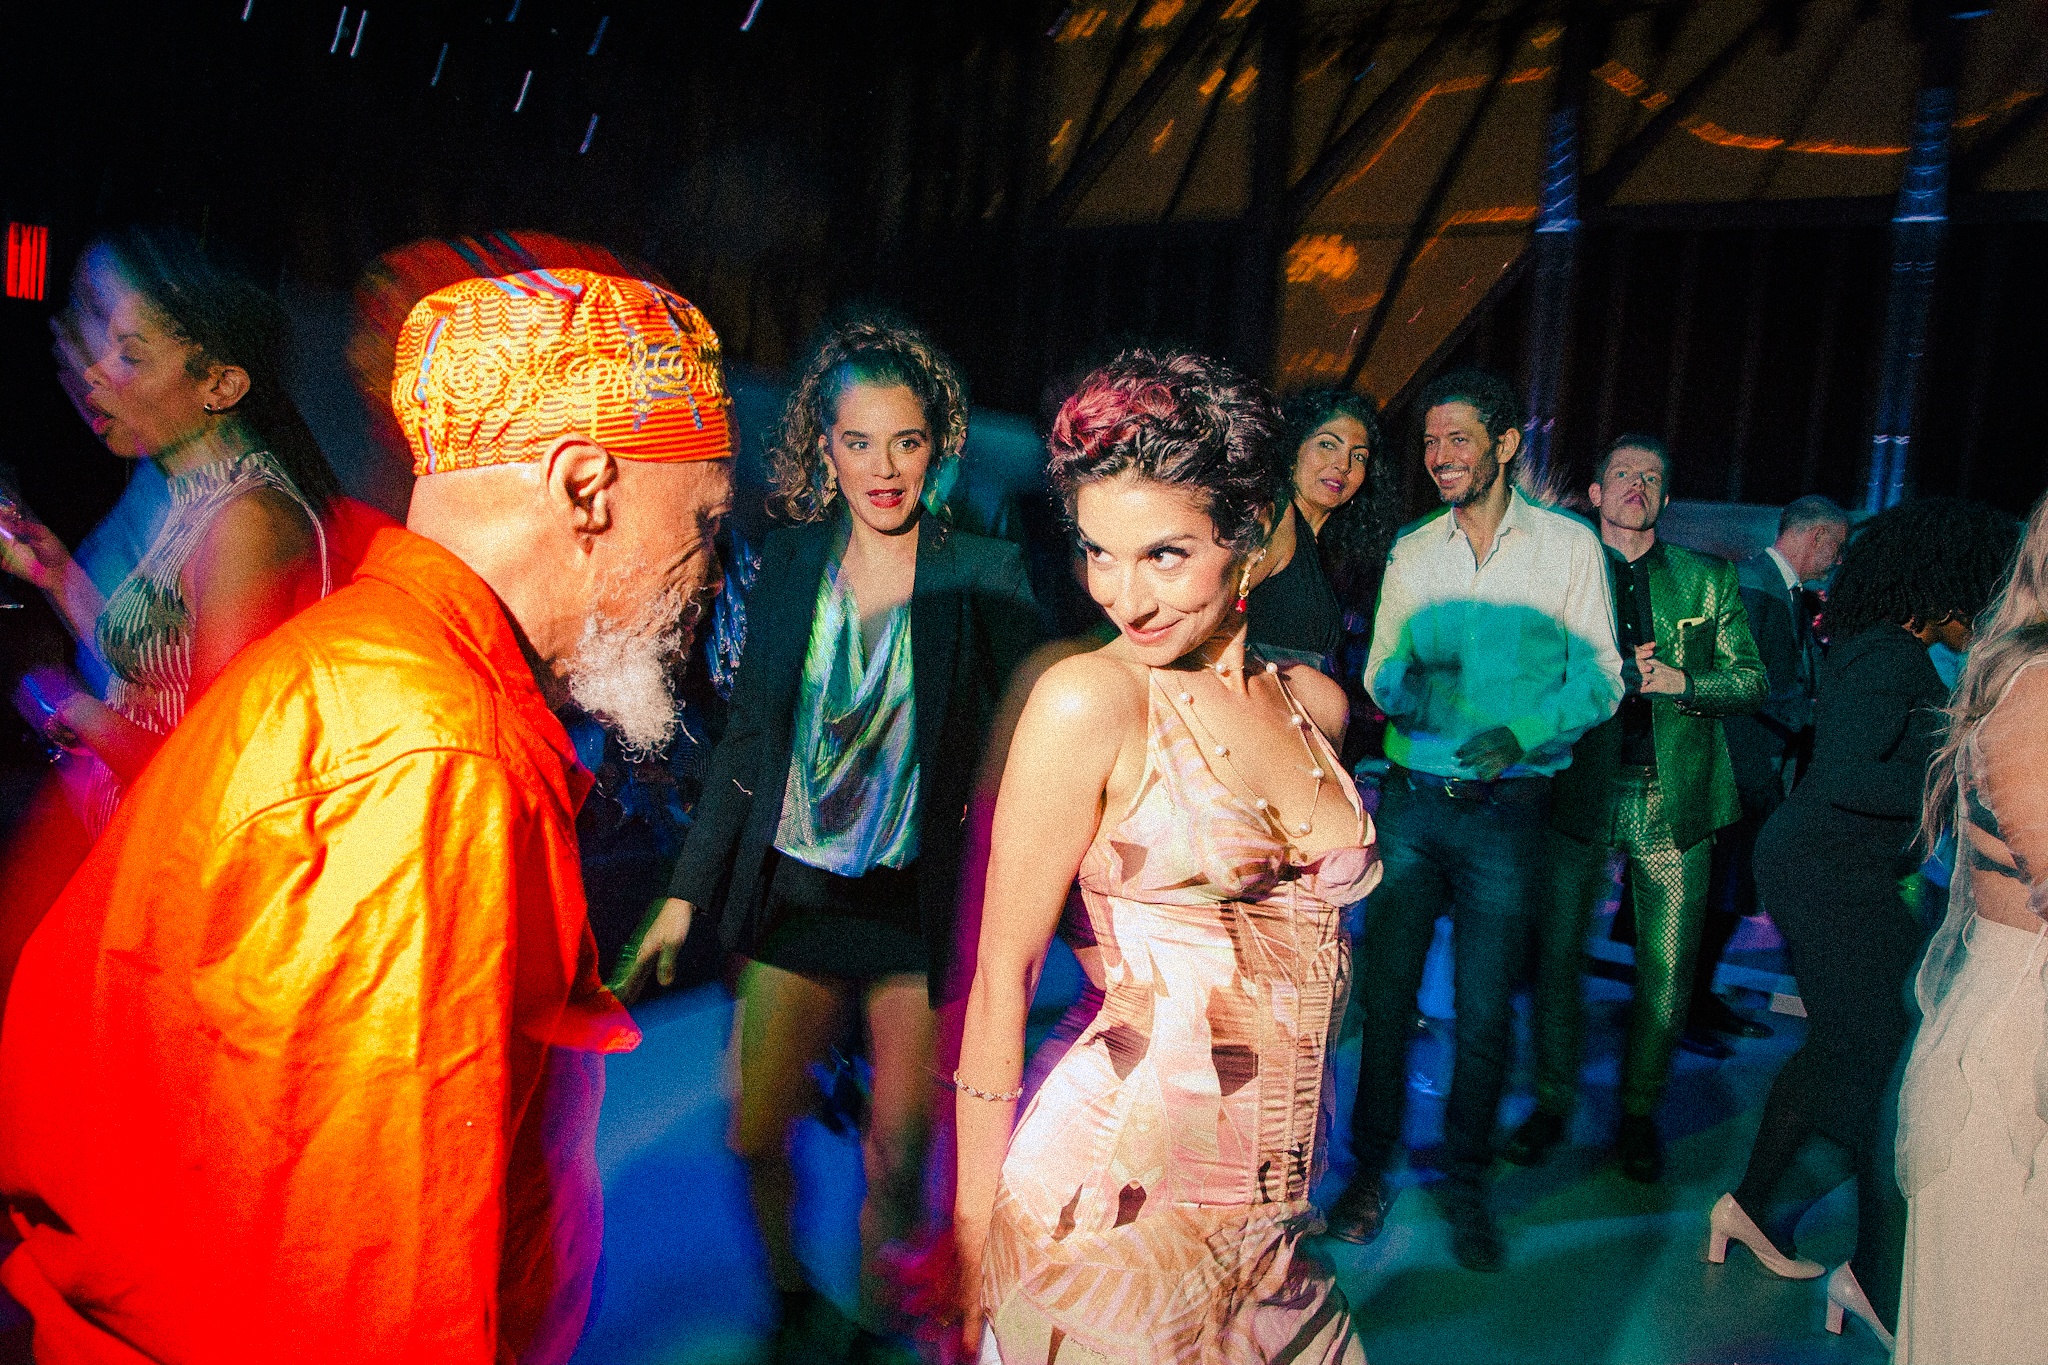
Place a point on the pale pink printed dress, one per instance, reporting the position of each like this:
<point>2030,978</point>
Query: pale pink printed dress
<point>1154,1200</point>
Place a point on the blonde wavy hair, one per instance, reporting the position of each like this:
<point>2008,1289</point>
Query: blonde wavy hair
<point>871,348</point>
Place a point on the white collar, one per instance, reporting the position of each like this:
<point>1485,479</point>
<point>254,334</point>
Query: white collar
<point>1510,520</point>
<point>1785,571</point>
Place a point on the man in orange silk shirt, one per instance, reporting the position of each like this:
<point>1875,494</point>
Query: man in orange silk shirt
<point>304,1064</point>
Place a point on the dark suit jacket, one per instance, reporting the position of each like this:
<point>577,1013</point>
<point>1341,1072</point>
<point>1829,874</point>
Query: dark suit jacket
<point>1759,744</point>
<point>972,621</point>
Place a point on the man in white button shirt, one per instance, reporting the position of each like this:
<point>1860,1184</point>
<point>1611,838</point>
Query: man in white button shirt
<point>1492,652</point>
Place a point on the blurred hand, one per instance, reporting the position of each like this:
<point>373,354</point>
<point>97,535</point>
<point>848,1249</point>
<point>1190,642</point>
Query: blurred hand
<point>41,696</point>
<point>659,944</point>
<point>968,1247</point>
<point>1490,752</point>
<point>1659,680</point>
<point>29,549</point>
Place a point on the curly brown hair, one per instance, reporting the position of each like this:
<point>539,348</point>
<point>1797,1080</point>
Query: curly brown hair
<point>1179,419</point>
<point>1354,542</point>
<point>870,348</point>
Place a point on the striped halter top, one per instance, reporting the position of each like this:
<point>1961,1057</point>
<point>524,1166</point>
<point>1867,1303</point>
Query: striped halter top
<point>145,631</point>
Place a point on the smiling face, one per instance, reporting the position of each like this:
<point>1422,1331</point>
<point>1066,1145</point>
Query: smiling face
<point>1460,456</point>
<point>1154,564</point>
<point>142,398</point>
<point>1329,466</point>
<point>1631,494</point>
<point>880,449</point>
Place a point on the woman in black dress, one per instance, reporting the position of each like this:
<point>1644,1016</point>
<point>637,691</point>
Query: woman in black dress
<point>829,835</point>
<point>1828,867</point>
<point>1344,495</point>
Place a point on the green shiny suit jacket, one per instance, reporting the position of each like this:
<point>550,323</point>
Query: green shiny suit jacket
<point>1700,627</point>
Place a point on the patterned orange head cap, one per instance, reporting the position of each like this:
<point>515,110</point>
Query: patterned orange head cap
<point>492,371</point>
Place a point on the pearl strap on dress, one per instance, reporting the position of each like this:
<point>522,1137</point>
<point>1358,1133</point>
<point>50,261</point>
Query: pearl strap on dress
<point>1301,723</point>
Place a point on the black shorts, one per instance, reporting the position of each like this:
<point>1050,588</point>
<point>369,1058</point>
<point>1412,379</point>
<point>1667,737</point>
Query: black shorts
<point>823,924</point>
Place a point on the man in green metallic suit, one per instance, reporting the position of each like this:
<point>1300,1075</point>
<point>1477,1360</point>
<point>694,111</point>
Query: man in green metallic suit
<point>1653,783</point>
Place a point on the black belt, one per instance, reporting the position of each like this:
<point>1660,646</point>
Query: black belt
<point>1532,787</point>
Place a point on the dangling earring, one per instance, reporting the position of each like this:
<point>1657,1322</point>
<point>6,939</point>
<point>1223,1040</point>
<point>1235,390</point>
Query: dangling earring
<point>1244,579</point>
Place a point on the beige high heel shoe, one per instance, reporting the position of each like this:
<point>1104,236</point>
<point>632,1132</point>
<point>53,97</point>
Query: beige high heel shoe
<point>1728,1220</point>
<point>1846,1295</point>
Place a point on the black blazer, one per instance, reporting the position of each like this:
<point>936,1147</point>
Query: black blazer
<point>1877,723</point>
<point>1759,743</point>
<point>972,621</point>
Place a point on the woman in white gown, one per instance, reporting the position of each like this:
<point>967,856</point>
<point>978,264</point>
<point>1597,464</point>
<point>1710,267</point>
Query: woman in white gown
<point>1973,1110</point>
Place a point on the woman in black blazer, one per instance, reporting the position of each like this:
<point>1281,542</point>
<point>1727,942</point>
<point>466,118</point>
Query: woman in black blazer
<point>1828,867</point>
<point>828,840</point>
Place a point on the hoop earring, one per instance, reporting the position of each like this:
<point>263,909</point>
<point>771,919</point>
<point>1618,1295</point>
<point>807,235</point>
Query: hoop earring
<point>209,409</point>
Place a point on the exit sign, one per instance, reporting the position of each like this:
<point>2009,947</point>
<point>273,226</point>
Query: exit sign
<point>28,258</point>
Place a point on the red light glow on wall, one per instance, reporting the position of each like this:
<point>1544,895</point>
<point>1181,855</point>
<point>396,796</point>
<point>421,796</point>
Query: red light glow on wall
<point>28,255</point>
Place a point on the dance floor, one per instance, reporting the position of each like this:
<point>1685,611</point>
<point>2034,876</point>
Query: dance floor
<point>1600,1269</point>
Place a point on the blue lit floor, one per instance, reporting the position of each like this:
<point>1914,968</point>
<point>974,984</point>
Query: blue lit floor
<point>1600,1269</point>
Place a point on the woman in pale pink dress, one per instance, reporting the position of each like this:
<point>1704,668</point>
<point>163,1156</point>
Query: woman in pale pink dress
<point>1151,1204</point>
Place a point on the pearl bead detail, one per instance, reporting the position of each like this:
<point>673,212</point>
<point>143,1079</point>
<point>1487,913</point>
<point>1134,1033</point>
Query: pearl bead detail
<point>1222,751</point>
<point>1316,773</point>
<point>1187,697</point>
<point>1302,828</point>
<point>1272,667</point>
<point>1262,803</point>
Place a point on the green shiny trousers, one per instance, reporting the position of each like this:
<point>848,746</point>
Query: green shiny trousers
<point>1668,893</point>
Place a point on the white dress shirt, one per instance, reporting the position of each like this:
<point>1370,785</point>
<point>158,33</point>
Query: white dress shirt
<point>1524,639</point>
<point>1785,571</point>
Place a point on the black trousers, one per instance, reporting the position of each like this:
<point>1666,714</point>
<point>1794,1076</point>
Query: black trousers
<point>1828,882</point>
<point>1731,891</point>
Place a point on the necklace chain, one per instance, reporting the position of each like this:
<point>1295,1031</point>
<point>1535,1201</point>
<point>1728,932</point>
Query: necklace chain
<point>1297,719</point>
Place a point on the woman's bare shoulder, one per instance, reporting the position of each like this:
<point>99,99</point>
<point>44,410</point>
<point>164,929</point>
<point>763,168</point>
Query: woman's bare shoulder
<point>1089,691</point>
<point>1320,695</point>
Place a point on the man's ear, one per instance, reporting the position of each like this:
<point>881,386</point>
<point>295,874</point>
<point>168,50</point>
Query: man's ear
<point>581,480</point>
<point>1508,445</point>
<point>1593,494</point>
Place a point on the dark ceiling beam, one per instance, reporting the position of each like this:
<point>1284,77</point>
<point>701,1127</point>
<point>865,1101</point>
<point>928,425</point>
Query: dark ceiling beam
<point>1425,224</point>
<point>1112,72</point>
<point>1232,65</point>
<point>1973,166</point>
<point>1358,50</point>
<point>1602,185</point>
<point>1094,158</point>
<point>1372,123</point>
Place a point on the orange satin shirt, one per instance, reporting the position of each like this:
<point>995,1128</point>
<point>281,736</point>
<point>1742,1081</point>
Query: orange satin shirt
<point>303,1066</point>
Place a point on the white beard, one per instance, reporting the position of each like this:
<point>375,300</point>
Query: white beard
<point>624,675</point>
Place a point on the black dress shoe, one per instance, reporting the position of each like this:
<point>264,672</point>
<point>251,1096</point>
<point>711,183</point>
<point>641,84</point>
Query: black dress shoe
<point>1475,1237</point>
<point>1714,1014</point>
<point>1704,1044</point>
<point>1360,1211</point>
<point>1641,1149</point>
<point>1531,1142</point>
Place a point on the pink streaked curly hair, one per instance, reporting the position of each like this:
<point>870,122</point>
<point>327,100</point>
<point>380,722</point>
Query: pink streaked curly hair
<point>1178,419</point>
